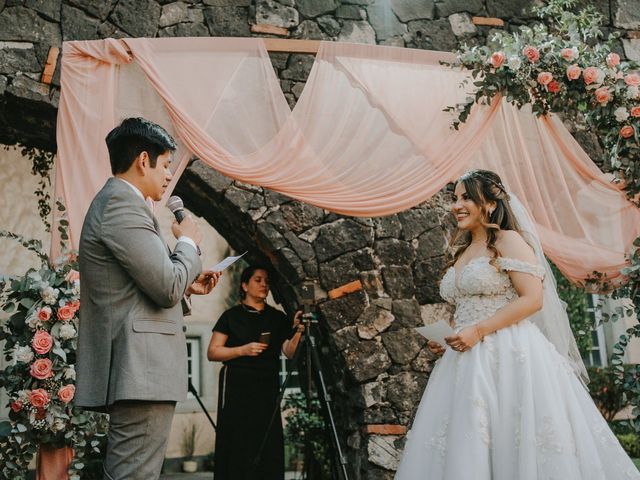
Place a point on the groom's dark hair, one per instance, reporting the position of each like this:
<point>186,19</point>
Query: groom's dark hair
<point>134,136</point>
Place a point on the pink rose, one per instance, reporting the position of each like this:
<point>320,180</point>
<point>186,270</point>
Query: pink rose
<point>603,95</point>
<point>544,78</point>
<point>39,398</point>
<point>591,75</point>
<point>497,59</point>
<point>613,59</point>
<point>627,131</point>
<point>42,342</point>
<point>531,53</point>
<point>44,314</point>
<point>75,305</point>
<point>573,72</point>
<point>66,313</point>
<point>633,79</point>
<point>16,406</point>
<point>72,276</point>
<point>42,369</point>
<point>635,111</point>
<point>553,87</point>
<point>569,54</point>
<point>66,393</point>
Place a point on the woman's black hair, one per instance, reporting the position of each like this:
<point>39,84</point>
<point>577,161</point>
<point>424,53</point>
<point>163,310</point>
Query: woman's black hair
<point>246,275</point>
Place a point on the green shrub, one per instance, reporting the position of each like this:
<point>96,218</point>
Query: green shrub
<point>631,444</point>
<point>607,395</point>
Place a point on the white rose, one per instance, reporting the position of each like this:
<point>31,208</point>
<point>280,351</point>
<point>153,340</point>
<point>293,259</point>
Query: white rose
<point>23,354</point>
<point>58,424</point>
<point>33,321</point>
<point>632,92</point>
<point>67,331</point>
<point>49,295</point>
<point>514,63</point>
<point>621,114</point>
<point>69,373</point>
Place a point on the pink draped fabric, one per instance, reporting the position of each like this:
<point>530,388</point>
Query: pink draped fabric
<point>368,136</point>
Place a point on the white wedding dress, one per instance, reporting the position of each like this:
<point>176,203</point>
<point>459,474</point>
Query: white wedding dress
<point>511,408</point>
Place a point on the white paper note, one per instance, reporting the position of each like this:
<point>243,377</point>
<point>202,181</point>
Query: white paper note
<point>226,263</point>
<point>436,331</point>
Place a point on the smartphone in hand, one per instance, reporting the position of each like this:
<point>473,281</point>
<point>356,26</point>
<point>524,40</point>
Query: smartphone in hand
<point>265,337</point>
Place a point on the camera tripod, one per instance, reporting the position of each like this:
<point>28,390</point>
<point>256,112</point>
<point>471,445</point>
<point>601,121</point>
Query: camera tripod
<point>313,366</point>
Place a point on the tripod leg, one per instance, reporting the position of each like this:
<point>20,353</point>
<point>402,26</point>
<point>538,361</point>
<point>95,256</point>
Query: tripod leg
<point>326,398</point>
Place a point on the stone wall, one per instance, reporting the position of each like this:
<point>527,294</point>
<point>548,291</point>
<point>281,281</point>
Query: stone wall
<point>377,277</point>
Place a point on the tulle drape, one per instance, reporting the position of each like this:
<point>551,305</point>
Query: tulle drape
<point>368,136</point>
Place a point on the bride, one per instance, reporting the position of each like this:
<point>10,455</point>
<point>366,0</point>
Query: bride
<point>505,401</point>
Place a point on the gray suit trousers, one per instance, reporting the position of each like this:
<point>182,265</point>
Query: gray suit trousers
<point>137,441</point>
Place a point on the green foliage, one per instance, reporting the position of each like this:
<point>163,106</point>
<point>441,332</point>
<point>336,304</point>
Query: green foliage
<point>530,67</point>
<point>631,444</point>
<point>606,393</point>
<point>40,341</point>
<point>305,423</point>
<point>577,310</point>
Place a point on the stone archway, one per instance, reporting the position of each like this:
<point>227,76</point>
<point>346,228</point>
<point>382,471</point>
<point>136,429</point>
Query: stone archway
<point>377,280</point>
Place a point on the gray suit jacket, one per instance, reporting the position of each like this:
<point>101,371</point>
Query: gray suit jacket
<point>131,343</point>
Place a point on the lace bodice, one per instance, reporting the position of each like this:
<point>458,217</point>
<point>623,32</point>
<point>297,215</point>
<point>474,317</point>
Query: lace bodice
<point>480,290</point>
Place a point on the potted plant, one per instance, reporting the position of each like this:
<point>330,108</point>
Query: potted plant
<point>189,464</point>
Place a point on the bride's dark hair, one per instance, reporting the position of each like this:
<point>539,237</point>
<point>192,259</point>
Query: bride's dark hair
<point>484,187</point>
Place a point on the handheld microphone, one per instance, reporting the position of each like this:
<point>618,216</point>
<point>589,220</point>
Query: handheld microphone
<point>176,205</point>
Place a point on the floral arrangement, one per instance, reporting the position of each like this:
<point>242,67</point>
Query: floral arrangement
<point>40,338</point>
<point>563,65</point>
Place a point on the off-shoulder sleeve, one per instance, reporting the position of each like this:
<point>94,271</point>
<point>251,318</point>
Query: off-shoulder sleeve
<point>515,265</point>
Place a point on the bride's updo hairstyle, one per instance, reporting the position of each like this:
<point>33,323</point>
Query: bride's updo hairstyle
<point>484,187</point>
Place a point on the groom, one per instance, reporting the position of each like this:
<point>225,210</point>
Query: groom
<point>131,357</point>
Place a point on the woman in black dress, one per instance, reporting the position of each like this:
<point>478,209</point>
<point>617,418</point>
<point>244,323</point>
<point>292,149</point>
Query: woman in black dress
<point>248,386</point>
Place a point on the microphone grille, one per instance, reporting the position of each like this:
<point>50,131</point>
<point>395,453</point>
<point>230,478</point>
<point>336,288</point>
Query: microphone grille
<point>175,203</point>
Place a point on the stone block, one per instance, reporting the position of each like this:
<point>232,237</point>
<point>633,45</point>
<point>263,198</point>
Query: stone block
<point>174,13</point>
<point>406,312</point>
<point>432,35</point>
<point>344,235</point>
<point>366,360</point>
<point>77,25</point>
<point>357,32</point>
<point>449,7</point>
<point>270,12</point>
<point>626,14</point>
<point>97,8</point>
<point>407,10</point>
<point>126,15</point>
<point>18,57</point>
<point>392,251</point>
<point>382,451</point>
<point>49,9</point>
<point>298,67</point>
<point>373,321</point>
<point>398,281</point>
<point>329,25</point>
<point>462,25</point>
<point>403,345</point>
<point>227,21</point>
<point>417,220</point>
<point>344,311</point>
<point>314,8</point>
<point>384,20</point>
